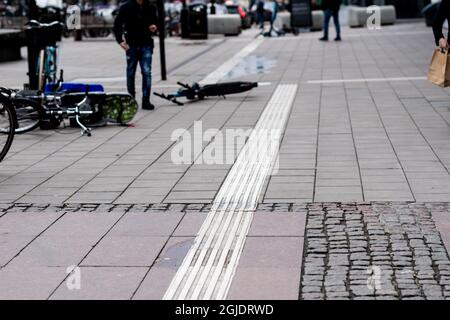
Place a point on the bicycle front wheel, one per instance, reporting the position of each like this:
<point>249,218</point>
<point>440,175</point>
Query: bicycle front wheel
<point>29,114</point>
<point>7,120</point>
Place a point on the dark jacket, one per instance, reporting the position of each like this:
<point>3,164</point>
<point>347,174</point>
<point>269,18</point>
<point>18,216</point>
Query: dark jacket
<point>331,4</point>
<point>133,21</point>
<point>442,14</point>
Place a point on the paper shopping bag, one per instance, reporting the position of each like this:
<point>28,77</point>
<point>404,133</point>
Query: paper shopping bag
<point>439,71</point>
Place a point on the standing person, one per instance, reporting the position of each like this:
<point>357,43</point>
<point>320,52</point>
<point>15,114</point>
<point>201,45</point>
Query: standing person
<point>260,14</point>
<point>442,15</point>
<point>331,9</point>
<point>133,29</point>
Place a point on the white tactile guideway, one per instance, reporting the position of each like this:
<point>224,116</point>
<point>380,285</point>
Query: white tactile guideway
<point>209,266</point>
<point>225,68</point>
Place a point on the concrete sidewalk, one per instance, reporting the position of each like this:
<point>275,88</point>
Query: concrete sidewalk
<point>357,210</point>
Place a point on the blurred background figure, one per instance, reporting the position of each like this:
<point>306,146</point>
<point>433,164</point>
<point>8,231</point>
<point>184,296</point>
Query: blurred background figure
<point>260,13</point>
<point>442,15</point>
<point>173,15</point>
<point>331,9</point>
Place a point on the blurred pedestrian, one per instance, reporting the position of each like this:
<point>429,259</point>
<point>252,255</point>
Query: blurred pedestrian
<point>133,28</point>
<point>260,14</point>
<point>442,15</point>
<point>331,9</point>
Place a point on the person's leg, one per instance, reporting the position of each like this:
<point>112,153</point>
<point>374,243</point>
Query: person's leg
<point>337,25</point>
<point>326,23</point>
<point>260,18</point>
<point>132,61</point>
<point>145,62</point>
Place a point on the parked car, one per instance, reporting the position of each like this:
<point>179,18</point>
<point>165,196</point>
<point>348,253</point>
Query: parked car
<point>233,8</point>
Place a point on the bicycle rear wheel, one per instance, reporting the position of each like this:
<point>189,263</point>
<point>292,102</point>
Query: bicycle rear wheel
<point>29,114</point>
<point>7,120</point>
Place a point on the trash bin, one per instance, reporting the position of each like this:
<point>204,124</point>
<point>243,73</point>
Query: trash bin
<point>198,21</point>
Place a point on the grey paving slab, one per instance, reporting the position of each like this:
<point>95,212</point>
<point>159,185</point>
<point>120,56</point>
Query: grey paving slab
<point>271,252</point>
<point>160,275</point>
<point>54,251</point>
<point>29,283</point>
<point>100,283</point>
<point>265,284</point>
<point>442,221</point>
<point>125,251</point>
<point>190,224</point>
<point>266,224</point>
<point>83,224</point>
<point>147,224</point>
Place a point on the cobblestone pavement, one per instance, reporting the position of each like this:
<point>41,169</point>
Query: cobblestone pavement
<point>375,251</point>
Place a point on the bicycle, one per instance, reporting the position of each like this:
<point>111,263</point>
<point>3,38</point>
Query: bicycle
<point>7,125</point>
<point>199,92</point>
<point>87,109</point>
<point>47,35</point>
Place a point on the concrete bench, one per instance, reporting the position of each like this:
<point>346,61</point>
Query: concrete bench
<point>11,42</point>
<point>317,17</point>
<point>358,16</point>
<point>229,24</point>
<point>283,20</point>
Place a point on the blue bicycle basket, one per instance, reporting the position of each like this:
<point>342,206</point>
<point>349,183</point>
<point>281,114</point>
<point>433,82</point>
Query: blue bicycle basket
<point>70,87</point>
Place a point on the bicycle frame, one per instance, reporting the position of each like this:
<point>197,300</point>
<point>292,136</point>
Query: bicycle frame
<point>47,66</point>
<point>46,100</point>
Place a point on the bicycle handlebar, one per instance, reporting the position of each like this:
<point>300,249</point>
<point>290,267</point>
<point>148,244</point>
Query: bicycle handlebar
<point>183,85</point>
<point>37,24</point>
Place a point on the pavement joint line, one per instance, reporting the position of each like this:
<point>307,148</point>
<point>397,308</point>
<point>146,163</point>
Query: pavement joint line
<point>200,153</point>
<point>387,79</point>
<point>373,34</point>
<point>158,255</point>
<point>12,154</point>
<point>124,153</point>
<point>68,166</point>
<point>34,238</point>
<point>89,251</point>
<point>350,124</point>
<point>205,273</point>
<point>170,71</point>
<point>76,138</point>
<point>196,56</point>
<point>245,49</point>
<point>429,102</point>
<point>389,139</point>
<point>226,67</point>
<point>40,160</point>
<point>420,131</point>
<point>215,76</point>
<point>162,153</point>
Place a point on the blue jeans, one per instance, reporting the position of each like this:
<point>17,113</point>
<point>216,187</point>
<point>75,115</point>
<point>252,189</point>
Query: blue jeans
<point>327,16</point>
<point>143,55</point>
